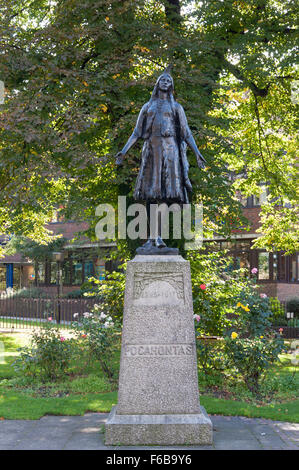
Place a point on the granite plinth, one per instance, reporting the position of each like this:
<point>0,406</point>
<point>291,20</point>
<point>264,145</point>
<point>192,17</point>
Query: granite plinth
<point>171,429</point>
<point>158,369</point>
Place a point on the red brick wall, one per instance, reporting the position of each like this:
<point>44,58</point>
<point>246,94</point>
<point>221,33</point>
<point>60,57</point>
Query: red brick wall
<point>269,289</point>
<point>282,291</point>
<point>286,291</point>
<point>253,216</point>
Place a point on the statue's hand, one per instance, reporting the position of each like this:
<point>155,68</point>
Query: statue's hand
<point>119,158</point>
<point>201,162</point>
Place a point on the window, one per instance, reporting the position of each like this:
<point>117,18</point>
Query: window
<point>17,277</point>
<point>263,266</point>
<point>242,261</point>
<point>100,269</point>
<point>77,273</point>
<point>2,278</point>
<point>88,269</point>
<point>256,201</point>
<point>282,267</point>
<point>53,272</point>
<point>275,266</point>
<point>41,273</point>
<point>294,261</point>
<point>66,273</point>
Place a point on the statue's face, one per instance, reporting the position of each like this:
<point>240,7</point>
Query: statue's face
<point>165,83</point>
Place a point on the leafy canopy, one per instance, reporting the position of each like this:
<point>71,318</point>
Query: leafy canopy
<point>76,74</point>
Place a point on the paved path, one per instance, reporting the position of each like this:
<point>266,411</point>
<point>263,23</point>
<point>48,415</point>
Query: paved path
<point>86,433</point>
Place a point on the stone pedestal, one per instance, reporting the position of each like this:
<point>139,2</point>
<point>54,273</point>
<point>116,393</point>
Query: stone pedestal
<point>158,401</point>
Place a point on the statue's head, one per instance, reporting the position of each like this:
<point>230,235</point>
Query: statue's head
<point>165,82</point>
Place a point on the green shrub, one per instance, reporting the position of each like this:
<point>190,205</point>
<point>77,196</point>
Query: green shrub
<point>75,294</point>
<point>48,355</point>
<point>87,287</point>
<point>111,292</point>
<point>100,335</point>
<point>252,356</point>
<point>254,315</point>
<point>25,293</point>
<point>210,356</point>
<point>216,289</point>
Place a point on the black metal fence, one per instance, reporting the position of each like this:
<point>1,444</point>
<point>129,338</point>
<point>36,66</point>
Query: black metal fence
<point>284,321</point>
<point>29,312</point>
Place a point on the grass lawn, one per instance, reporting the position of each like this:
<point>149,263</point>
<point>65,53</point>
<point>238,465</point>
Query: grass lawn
<point>85,389</point>
<point>20,323</point>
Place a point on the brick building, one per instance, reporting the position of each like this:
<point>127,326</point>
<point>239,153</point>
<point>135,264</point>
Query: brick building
<point>278,275</point>
<point>81,260</point>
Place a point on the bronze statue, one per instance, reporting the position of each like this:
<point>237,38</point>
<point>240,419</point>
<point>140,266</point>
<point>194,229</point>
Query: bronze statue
<point>163,174</point>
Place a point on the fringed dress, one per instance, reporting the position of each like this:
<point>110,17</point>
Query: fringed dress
<point>163,174</point>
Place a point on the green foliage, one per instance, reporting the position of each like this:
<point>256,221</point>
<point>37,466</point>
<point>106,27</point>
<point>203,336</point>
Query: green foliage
<point>90,384</point>
<point>25,293</point>
<point>100,335</point>
<point>276,307</point>
<point>35,250</point>
<point>210,356</point>
<point>229,305</point>
<point>111,292</point>
<point>48,355</point>
<point>253,346</point>
<point>254,319</point>
<point>76,75</point>
<point>252,356</point>
<point>217,287</point>
<point>278,315</point>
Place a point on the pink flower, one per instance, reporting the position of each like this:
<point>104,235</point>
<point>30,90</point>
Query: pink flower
<point>254,270</point>
<point>62,338</point>
<point>203,286</point>
<point>50,319</point>
<point>263,296</point>
<point>196,317</point>
<point>280,330</point>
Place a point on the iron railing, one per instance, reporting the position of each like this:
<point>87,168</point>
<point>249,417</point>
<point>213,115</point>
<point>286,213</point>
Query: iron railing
<point>29,312</point>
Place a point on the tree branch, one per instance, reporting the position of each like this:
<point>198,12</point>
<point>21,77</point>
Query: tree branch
<point>173,11</point>
<point>238,74</point>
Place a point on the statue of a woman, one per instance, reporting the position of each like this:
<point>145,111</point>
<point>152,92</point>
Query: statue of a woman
<point>163,174</point>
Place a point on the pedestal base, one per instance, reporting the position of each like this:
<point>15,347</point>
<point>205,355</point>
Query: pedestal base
<point>158,399</point>
<point>170,429</point>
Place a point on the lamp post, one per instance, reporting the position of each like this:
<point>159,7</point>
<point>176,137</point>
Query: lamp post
<point>59,257</point>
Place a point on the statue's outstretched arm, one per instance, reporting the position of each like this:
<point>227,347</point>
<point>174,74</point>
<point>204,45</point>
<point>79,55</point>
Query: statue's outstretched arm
<point>136,135</point>
<point>192,144</point>
<point>188,137</point>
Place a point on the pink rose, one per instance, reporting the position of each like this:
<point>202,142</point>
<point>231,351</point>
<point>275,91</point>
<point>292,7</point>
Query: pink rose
<point>62,338</point>
<point>203,286</point>
<point>254,270</point>
<point>50,319</point>
<point>263,296</point>
<point>196,317</point>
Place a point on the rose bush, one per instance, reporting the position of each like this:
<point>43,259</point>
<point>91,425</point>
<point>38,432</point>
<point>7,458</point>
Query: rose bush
<point>48,355</point>
<point>101,336</point>
<point>251,357</point>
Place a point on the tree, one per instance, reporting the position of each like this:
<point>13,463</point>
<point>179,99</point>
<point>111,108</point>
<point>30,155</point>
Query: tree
<point>77,73</point>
